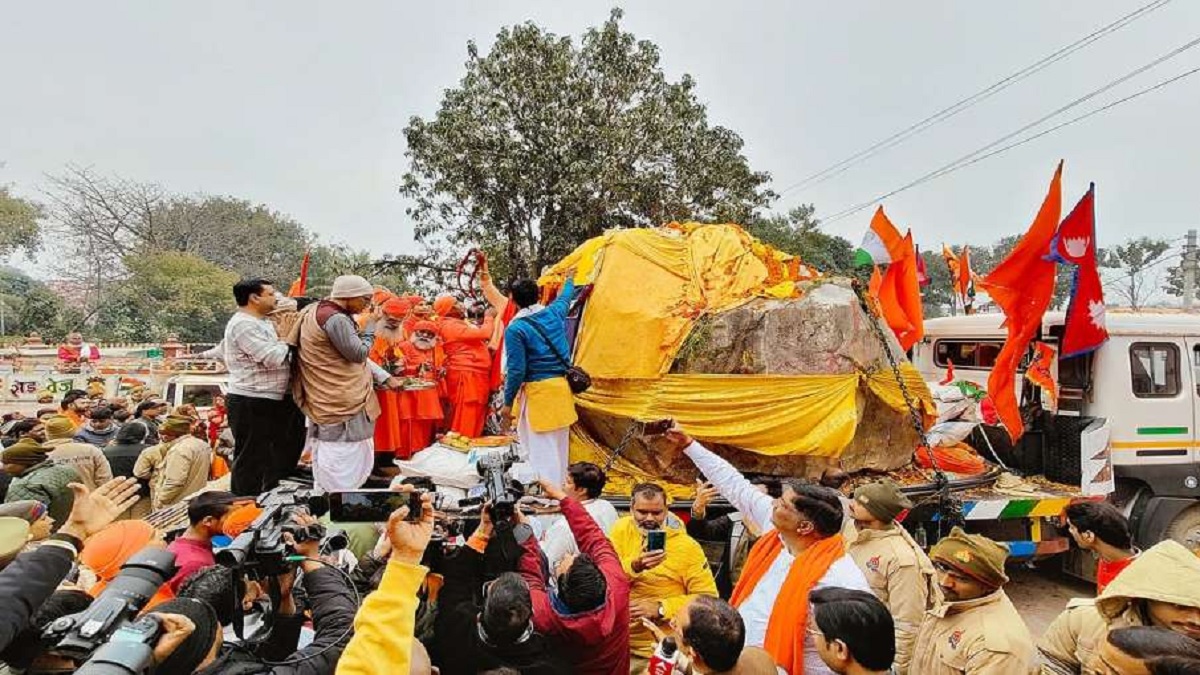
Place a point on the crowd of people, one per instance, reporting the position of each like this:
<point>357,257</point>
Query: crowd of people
<point>793,576</point>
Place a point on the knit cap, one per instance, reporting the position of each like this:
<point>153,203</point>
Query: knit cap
<point>883,499</point>
<point>59,427</point>
<point>974,555</point>
<point>351,286</point>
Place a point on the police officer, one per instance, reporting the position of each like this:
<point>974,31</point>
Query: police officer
<point>899,572</point>
<point>974,628</point>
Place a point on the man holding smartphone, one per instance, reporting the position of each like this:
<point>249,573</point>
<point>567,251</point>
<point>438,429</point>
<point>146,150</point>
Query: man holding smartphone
<point>666,567</point>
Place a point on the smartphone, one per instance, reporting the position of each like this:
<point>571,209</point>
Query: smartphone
<point>372,506</point>
<point>656,540</point>
<point>658,427</point>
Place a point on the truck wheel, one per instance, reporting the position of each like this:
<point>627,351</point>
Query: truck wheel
<point>1185,529</point>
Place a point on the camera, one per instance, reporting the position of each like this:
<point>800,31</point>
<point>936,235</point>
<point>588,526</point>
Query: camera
<point>261,550</point>
<point>108,630</point>
<point>500,490</point>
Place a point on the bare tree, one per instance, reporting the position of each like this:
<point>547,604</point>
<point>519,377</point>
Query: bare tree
<point>1136,259</point>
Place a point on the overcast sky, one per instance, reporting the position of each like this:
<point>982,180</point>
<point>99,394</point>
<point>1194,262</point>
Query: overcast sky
<point>300,105</point>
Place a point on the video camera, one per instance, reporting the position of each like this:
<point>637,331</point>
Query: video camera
<point>261,550</point>
<point>499,490</point>
<point>108,631</point>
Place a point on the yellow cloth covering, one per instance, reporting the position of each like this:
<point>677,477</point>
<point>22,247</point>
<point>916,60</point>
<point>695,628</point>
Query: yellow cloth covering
<point>550,404</point>
<point>649,287</point>
<point>651,284</point>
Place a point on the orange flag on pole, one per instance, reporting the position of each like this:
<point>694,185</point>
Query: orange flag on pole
<point>1022,285</point>
<point>900,297</point>
<point>299,286</point>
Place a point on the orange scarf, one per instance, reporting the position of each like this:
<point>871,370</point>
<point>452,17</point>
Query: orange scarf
<point>788,624</point>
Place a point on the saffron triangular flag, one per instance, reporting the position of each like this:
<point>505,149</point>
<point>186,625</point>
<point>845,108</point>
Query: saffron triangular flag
<point>922,272</point>
<point>1075,244</point>
<point>900,298</point>
<point>1022,285</point>
<point>882,244</point>
<point>300,286</point>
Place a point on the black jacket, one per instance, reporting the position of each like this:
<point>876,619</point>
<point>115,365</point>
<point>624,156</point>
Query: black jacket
<point>333,610</point>
<point>716,531</point>
<point>463,652</point>
<point>26,583</point>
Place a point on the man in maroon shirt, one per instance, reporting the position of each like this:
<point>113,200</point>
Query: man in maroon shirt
<point>588,614</point>
<point>193,549</point>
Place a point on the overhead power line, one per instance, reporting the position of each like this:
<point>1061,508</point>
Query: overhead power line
<point>979,96</point>
<point>982,153</point>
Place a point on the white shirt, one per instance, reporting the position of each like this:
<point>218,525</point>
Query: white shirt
<point>559,542</point>
<point>756,507</point>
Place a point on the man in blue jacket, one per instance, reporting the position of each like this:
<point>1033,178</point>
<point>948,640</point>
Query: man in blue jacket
<point>538,355</point>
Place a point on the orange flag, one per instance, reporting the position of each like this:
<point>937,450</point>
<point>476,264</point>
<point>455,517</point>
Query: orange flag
<point>1022,285</point>
<point>300,285</point>
<point>900,297</point>
<point>963,282</point>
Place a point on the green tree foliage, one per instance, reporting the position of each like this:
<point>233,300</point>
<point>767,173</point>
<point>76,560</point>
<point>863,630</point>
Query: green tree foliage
<point>545,143</point>
<point>20,226</point>
<point>799,233</point>
<point>1136,260</point>
<point>169,292</point>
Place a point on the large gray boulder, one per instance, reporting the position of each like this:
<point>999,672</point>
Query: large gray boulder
<point>825,332</point>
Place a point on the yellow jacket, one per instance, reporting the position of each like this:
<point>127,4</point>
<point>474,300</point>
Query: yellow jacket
<point>901,576</point>
<point>1072,639</point>
<point>684,573</point>
<point>384,626</point>
<point>984,636</point>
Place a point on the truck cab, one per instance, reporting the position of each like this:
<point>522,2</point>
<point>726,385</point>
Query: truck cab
<point>1144,383</point>
<point>198,390</point>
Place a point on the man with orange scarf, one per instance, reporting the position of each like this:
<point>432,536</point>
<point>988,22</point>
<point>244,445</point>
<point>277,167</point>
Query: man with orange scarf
<point>421,409</point>
<point>801,549</point>
<point>468,365</point>
<point>386,352</point>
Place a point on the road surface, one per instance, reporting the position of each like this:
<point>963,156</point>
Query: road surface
<point>1041,594</point>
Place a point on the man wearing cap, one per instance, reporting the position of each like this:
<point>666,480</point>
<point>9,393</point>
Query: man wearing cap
<point>88,460</point>
<point>468,365</point>
<point>974,628</point>
<point>898,571</point>
<point>421,409</point>
<point>386,353</point>
<point>335,383</point>
<point>34,475</point>
<point>177,467</point>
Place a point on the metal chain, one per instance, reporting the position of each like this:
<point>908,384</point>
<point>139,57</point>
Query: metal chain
<point>949,508</point>
<point>630,433</point>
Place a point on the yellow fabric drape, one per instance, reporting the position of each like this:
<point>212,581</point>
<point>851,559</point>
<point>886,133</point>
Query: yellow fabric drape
<point>650,285</point>
<point>883,384</point>
<point>622,474</point>
<point>769,414</point>
<point>648,288</point>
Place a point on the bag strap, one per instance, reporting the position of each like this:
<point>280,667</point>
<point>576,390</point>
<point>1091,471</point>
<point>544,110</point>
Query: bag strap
<point>546,338</point>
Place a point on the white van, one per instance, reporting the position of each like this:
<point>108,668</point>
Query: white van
<point>1145,381</point>
<point>198,390</point>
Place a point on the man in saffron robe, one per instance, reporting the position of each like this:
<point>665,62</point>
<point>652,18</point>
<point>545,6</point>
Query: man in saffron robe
<point>468,365</point>
<point>386,352</point>
<point>420,408</point>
